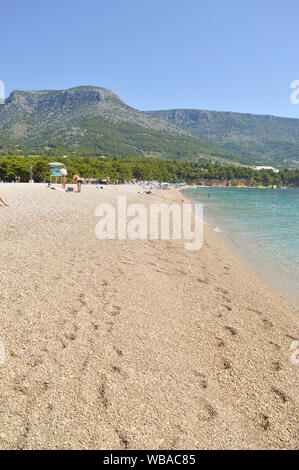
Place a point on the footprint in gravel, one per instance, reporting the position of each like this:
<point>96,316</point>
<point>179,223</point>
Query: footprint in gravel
<point>276,366</point>
<point>70,336</point>
<point>220,342</point>
<point>226,364</point>
<point>102,391</point>
<point>203,380</point>
<point>263,422</point>
<point>82,299</point>
<point>207,412</point>
<point>279,394</point>
<point>267,323</point>
<point>221,290</point>
<point>291,337</point>
<point>118,351</point>
<point>123,439</point>
<point>110,327</point>
<point>203,281</point>
<point>276,346</point>
<point>228,307</point>
<point>254,311</point>
<point>35,361</point>
<point>116,310</point>
<point>232,331</point>
<point>85,363</point>
<point>160,271</point>
<point>119,370</point>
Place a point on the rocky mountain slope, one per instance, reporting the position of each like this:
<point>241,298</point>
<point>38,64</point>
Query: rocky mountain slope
<point>258,138</point>
<point>95,120</point>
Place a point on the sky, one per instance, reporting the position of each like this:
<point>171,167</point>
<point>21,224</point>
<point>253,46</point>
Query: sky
<point>223,55</point>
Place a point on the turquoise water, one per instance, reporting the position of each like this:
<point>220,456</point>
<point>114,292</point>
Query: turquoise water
<point>266,237</point>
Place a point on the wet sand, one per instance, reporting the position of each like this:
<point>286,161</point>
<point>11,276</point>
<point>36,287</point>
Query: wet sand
<point>122,344</point>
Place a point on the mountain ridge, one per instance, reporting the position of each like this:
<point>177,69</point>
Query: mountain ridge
<point>269,137</point>
<point>95,120</point>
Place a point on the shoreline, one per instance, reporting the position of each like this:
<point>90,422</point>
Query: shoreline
<point>243,256</point>
<point>135,341</point>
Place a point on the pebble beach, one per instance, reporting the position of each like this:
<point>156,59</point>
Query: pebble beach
<point>135,344</point>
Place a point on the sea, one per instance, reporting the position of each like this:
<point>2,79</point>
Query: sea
<point>261,226</point>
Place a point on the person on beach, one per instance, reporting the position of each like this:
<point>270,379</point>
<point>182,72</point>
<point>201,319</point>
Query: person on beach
<point>63,172</point>
<point>3,203</point>
<point>79,182</point>
<point>209,196</point>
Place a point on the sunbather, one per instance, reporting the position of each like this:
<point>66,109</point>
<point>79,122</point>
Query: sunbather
<point>2,202</point>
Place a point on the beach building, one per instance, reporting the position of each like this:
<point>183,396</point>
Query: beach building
<point>275,170</point>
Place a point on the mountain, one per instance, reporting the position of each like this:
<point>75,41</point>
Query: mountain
<point>6,143</point>
<point>95,121</point>
<point>258,138</point>
<point>89,120</point>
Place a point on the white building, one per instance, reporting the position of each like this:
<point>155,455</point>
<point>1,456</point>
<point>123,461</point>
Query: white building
<point>267,168</point>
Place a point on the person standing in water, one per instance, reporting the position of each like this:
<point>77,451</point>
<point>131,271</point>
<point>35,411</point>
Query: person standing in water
<point>3,203</point>
<point>63,172</point>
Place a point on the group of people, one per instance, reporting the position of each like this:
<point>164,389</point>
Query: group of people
<point>76,179</point>
<point>63,173</point>
<point>209,195</point>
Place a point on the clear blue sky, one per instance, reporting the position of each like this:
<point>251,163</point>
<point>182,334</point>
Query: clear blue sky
<point>231,55</point>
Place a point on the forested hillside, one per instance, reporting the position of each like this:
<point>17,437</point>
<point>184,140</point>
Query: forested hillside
<point>259,139</point>
<point>95,121</point>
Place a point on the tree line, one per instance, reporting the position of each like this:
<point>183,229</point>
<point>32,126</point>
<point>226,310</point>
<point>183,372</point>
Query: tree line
<point>128,168</point>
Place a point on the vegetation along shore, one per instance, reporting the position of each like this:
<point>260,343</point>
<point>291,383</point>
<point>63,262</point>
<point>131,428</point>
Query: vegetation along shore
<point>126,168</point>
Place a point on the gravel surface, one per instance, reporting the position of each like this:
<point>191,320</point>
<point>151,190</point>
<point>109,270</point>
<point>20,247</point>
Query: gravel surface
<point>135,344</point>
